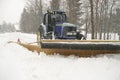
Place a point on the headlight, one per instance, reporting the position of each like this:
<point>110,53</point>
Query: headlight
<point>71,33</point>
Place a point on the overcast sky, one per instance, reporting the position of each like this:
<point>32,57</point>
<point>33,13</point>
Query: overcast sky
<point>10,10</point>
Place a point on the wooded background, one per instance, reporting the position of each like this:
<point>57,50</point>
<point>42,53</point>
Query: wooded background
<point>7,27</point>
<point>98,17</point>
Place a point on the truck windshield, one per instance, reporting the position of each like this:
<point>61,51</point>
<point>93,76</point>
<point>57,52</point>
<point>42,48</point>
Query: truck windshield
<point>69,31</point>
<point>60,18</point>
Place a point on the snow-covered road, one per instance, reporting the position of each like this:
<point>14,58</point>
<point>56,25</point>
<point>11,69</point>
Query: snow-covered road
<point>17,63</point>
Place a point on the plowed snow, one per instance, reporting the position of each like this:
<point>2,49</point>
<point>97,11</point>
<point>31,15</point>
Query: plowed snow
<point>17,63</point>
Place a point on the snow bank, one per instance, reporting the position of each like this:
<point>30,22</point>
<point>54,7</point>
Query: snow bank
<point>17,63</point>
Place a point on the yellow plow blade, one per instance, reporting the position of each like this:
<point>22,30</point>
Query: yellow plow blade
<point>67,52</point>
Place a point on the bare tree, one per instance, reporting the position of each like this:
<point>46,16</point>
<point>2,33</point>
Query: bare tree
<point>96,3</point>
<point>101,20</point>
<point>110,15</point>
<point>92,18</point>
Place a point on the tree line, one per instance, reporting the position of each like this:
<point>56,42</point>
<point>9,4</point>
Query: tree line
<point>7,27</point>
<point>102,23</point>
<point>32,15</point>
<point>98,17</point>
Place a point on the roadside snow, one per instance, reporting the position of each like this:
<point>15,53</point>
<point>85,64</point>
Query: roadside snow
<point>17,63</point>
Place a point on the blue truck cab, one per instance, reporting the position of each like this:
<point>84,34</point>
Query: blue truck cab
<point>55,25</point>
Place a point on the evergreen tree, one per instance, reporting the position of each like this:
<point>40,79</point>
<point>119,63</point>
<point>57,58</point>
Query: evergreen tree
<point>23,21</point>
<point>74,11</point>
<point>55,5</point>
<point>31,17</point>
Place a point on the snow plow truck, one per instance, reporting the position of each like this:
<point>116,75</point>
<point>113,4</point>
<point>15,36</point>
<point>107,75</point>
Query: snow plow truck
<point>57,36</point>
